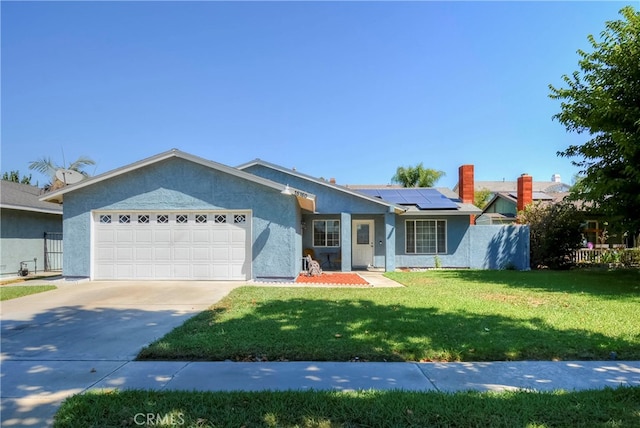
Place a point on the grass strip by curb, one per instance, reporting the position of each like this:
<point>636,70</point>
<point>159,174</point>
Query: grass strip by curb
<point>15,291</point>
<point>595,408</point>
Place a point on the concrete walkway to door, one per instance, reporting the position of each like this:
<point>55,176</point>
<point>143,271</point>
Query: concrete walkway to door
<point>56,343</point>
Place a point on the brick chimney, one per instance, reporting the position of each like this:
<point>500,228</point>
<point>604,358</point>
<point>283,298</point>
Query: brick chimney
<point>465,184</point>
<point>525,191</point>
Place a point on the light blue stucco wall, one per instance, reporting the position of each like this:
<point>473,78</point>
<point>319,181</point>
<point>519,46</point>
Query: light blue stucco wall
<point>22,238</point>
<point>500,247</point>
<point>177,184</point>
<point>476,247</point>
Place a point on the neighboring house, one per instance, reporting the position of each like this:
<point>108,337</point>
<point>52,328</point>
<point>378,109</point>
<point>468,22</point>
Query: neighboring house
<point>510,197</point>
<point>178,216</point>
<point>24,220</point>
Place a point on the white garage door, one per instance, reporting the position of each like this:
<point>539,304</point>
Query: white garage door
<point>172,245</point>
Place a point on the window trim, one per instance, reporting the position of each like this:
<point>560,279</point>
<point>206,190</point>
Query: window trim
<point>415,238</point>
<point>313,233</point>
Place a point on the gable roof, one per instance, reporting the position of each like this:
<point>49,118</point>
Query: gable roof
<point>18,196</point>
<point>294,173</point>
<point>306,200</point>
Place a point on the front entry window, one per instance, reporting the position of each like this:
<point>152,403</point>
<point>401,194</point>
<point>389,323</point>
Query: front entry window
<point>326,233</point>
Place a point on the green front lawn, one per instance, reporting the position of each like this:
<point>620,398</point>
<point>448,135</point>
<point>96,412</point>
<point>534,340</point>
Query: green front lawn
<point>605,408</point>
<point>15,291</point>
<point>439,316</point>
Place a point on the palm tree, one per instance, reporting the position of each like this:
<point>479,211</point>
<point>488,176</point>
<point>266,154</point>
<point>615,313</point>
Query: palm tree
<point>417,176</point>
<point>49,168</point>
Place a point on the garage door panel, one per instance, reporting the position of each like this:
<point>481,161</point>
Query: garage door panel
<point>181,270</point>
<point>201,271</point>
<point>161,235</point>
<point>162,271</point>
<point>105,236</point>
<point>162,254</point>
<point>181,254</point>
<point>144,254</point>
<point>172,246</point>
<point>221,255</point>
<point>144,236</point>
<point>221,271</point>
<point>201,236</point>
<point>105,254</point>
<point>124,271</point>
<point>220,237</point>
<point>237,254</point>
<point>201,254</point>
<point>144,271</point>
<point>182,236</point>
<point>124,236</point>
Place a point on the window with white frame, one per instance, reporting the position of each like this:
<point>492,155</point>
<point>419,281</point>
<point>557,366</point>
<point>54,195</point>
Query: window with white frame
<point>326,233</point>
<point>426,236</point>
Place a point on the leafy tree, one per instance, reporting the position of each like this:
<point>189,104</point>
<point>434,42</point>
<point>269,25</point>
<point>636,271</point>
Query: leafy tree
<point>481,198</point>
<point>555,231</point>
<point>48,167</point>
<point>14,176</point>
<point>417,176</point>
<point>603,99</point>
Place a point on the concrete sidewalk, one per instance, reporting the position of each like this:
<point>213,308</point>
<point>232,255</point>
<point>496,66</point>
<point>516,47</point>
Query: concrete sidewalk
<point>33,390</point>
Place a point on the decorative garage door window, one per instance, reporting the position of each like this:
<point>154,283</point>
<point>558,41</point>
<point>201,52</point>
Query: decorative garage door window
<point>197,218</point>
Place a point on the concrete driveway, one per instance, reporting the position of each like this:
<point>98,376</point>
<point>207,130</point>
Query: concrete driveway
<point>56,343</point>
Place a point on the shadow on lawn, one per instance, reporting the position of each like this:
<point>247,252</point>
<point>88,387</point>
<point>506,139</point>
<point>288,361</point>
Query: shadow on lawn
<point>616,284</point>
<point>318,330</point>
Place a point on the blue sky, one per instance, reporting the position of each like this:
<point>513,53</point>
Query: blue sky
<point>345,90</point>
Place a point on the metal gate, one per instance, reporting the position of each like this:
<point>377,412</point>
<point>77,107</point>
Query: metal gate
<point>52,251</point>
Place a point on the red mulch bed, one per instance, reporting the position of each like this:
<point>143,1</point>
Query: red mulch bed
<point>333,278</point>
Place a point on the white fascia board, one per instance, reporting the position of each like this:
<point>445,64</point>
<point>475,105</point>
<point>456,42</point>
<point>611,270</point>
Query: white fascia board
<point>31,209</point>
<point>397,209</point>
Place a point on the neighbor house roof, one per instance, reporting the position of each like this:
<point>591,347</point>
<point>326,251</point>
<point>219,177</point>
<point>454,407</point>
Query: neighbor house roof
<point>18,196</point>
<point>398,209</point>
<point>306,200</point>
<point>512,186</point>
<point>25,197</point>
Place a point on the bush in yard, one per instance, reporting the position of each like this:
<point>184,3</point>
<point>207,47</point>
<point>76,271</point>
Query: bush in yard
<point>555,231</point>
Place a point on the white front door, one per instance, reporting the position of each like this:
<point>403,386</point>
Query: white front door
<point>362,243</point>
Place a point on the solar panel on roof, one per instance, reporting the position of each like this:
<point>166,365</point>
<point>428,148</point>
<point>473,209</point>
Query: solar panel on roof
<point>424,199</point>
